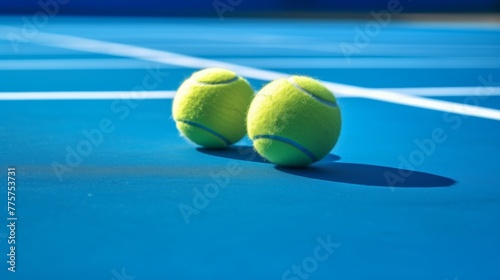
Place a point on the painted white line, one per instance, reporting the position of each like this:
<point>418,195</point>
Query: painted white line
<point>169,94</point>
<point>451,107</point>
<point>102,47</point>
<point>369,63</point>
<point>449,91</point>
<point>85,95</point>
<point>288,63</point>
<point>416,101</point>
<point>71,64</point>
<point>281,51</point>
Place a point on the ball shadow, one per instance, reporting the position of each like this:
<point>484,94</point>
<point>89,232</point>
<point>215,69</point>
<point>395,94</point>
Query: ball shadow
<point>330,169</point>
<point>247,153</point>
<point>369,175</point>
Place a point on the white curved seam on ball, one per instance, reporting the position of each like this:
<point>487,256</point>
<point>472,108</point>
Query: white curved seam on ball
<point>289,142</point>
<point>328,103</point>
<point>232,80</point>
<point>207,129</point>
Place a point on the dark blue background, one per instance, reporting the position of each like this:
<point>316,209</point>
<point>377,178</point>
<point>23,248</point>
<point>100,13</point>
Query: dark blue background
<point>206,8</point>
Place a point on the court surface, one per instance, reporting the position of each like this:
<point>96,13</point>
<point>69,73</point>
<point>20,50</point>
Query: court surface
<point>107,189</point>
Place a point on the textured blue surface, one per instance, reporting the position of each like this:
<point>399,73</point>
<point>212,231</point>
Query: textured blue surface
<point>119,208</point>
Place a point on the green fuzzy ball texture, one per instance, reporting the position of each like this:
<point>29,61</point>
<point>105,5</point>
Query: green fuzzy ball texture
<point>294,121</point>
<point>210,107</point>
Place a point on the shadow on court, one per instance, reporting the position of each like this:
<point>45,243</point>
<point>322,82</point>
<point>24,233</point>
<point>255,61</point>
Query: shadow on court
<point>247,153</point>
<point>330,169</point>
<point>369,175</point>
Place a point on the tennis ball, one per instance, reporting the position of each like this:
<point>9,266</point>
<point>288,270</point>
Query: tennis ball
<point>294,121</point>
<point>210,107</point>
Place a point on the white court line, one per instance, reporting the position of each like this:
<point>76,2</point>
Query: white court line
<point>449,91</point>
<point>370,63</point>
<point>289,63</point>
<point>86,95</point>
<point>72,64</point>
<point>102,47</point>
<point>169,94</point>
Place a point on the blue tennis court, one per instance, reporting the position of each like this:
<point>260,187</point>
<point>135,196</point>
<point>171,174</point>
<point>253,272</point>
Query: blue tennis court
<point>106,188</point>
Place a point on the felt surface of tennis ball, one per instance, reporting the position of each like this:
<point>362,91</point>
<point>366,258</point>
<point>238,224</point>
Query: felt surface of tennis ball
<point>210,107</point>
<point>294,121</point>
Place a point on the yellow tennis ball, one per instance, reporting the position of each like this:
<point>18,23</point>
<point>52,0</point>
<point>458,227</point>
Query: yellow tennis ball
<point>294,121</point>
<point>210,107</point>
